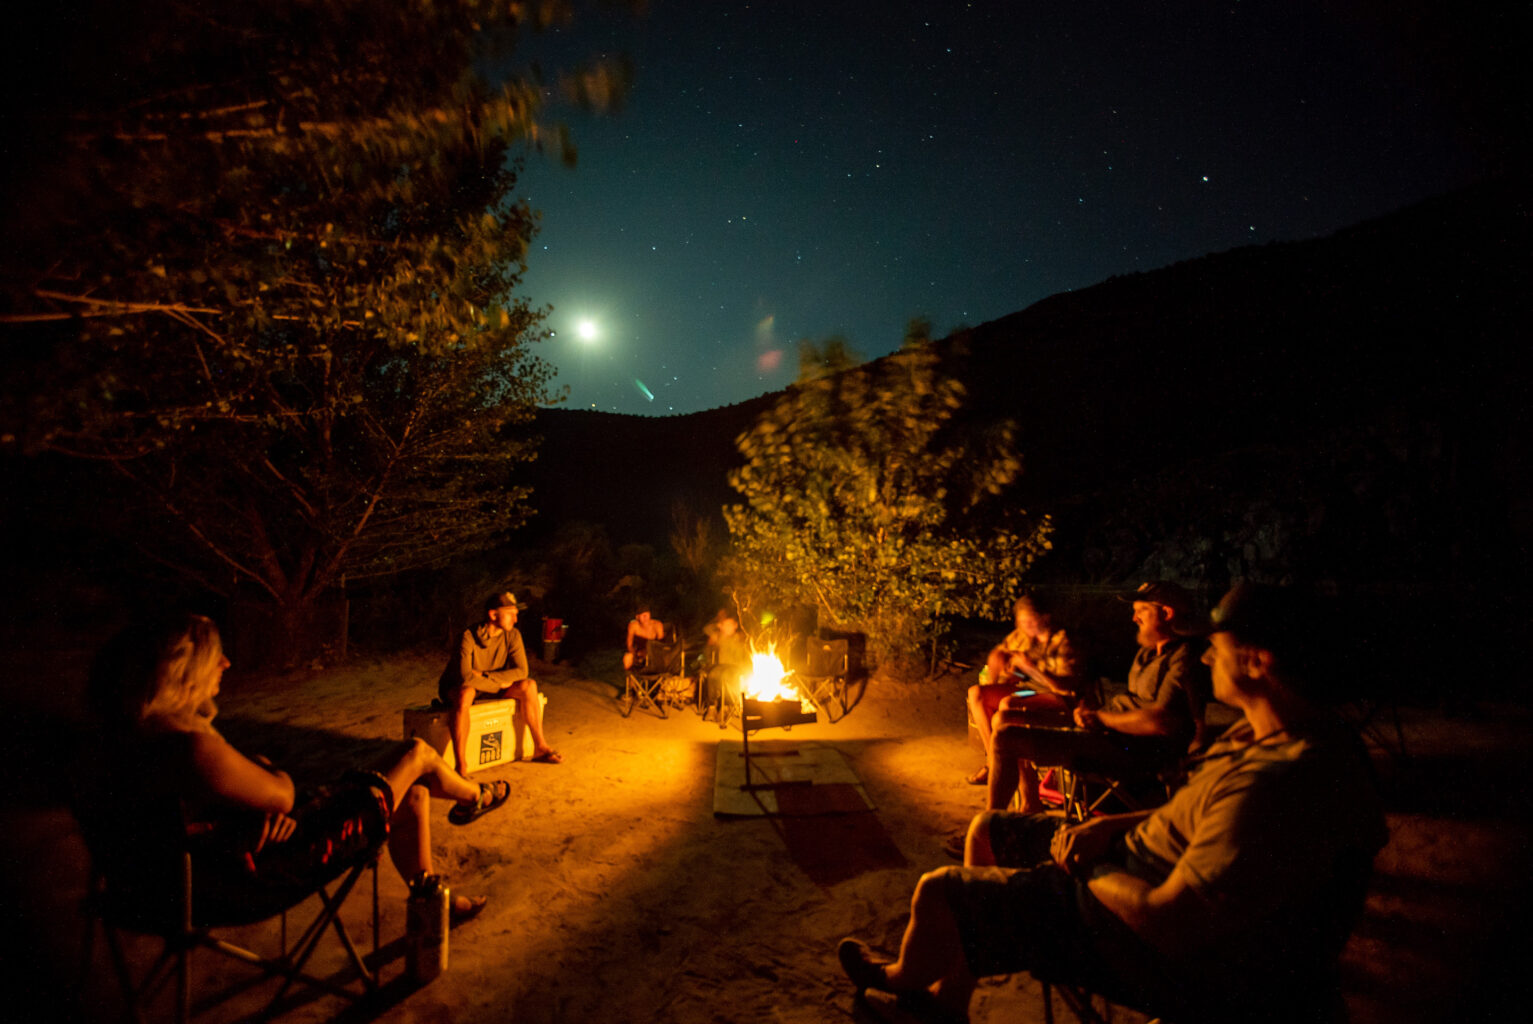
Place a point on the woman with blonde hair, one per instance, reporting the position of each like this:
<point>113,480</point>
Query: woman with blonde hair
<point>258,842</point>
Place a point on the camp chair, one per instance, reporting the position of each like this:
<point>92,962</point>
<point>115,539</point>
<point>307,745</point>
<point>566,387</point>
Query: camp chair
<point>1311,992</point>
<point>646,685</point>
<point>823,675</point>
<point>141,881</point>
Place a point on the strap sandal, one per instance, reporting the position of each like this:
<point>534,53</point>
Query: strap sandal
<point>491,796</point>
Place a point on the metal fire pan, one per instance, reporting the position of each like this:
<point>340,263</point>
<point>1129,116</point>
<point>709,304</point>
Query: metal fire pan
<point>771,714</point>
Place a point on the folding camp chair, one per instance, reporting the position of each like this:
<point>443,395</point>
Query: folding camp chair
<point>826,668</point>
<point>141,881</point>
<point>650,685</point>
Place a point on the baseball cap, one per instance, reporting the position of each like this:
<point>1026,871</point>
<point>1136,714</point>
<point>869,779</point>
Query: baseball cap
<point>504,599</point>
<point>1165,593</point>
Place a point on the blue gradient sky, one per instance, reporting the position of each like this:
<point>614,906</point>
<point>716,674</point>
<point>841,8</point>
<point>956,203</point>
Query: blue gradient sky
<point>802,168</point>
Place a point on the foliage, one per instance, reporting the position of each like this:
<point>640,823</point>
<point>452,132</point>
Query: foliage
<point>863,497</point>
<point>265,271</point>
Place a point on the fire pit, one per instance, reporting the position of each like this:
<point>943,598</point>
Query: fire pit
<point>769,701</point>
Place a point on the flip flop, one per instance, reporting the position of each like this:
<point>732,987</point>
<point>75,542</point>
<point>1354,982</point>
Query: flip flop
<point>457,916</point>
<point>549,756</point>
<point>491,796</point>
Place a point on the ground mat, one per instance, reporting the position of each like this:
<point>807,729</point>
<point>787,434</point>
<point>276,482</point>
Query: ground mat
<point>786,778</point>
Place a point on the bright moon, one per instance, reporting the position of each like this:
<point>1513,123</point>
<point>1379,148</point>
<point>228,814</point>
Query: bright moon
<point>586,330</point>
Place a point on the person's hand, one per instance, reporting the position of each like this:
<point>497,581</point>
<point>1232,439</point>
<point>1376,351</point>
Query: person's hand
<point>1076,847</point>
<point>1086,718</point>
<point>275,828</point>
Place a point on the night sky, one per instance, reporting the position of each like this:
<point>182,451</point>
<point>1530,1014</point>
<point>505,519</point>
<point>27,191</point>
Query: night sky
<point>806,168</point>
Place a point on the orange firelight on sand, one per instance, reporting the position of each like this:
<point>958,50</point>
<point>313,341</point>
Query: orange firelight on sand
<point>767,681</point>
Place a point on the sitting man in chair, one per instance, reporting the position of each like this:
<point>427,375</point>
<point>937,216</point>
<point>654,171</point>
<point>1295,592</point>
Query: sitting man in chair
<point>1140,732</point>
<point>729,660</point>
<point>491,664</point>
<point>641,630</point>
<point>1035,654</point>
<point>1230,902</point>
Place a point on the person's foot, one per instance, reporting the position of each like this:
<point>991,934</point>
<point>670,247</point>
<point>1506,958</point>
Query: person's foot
<point>956,845</point>
<point>548,755</point>
<point>859,965</point>
<point>491,796</point>
<point>465,909</point>
<point>980,777</point>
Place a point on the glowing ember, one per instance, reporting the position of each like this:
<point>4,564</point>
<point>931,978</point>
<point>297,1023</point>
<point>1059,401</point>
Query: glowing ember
<point>766,681</point>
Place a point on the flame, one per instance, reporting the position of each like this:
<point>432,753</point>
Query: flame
<point>767,681</point>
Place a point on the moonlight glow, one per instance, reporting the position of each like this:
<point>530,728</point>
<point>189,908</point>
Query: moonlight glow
<point>585,330</point>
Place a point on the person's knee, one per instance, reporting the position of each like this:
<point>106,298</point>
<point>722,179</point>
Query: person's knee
<point>417,750</point>
<point>931,890</point>
<point>416,804</point>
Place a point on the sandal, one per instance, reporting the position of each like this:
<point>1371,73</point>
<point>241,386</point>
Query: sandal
<point>549,756</point>
<point>980,777</point>
<point>491,796</point>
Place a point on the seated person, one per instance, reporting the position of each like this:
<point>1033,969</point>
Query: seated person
<point>641,630</point>
<point>491,664</point>
<point>1034,655</point>
<point>1141,731</point>
<point>259,845</point>
<point>1231,902</point>
<point>729,658</point>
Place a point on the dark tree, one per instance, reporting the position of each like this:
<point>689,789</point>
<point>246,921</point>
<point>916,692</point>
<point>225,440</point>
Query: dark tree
<point>263,267</point>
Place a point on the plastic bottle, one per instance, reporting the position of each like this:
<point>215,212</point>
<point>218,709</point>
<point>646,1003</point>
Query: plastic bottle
<point>426,927</point>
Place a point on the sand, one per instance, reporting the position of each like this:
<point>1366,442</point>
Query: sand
<point>617,895</point>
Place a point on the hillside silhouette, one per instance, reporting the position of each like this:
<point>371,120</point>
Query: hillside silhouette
<point>1345,410</point>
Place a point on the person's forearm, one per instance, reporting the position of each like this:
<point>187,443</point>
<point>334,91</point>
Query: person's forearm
<point>1150,721</point>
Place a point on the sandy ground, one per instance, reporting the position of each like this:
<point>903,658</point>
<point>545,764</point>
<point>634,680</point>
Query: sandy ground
<point>617,896</point>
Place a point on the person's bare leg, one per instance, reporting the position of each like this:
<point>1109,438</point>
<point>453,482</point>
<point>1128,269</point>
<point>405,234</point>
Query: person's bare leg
<point>1004,768</point>
<point>457,724</point>
<point>418,761</point>
<point>977,851</point>
<point>410,841</point>
<point>1015,752</point>
<point>931,952</point>
<point>525,693</point>
<point>410,833</point>
<point>979,699</point>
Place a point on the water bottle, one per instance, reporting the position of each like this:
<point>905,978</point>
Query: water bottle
<point>426,924</point>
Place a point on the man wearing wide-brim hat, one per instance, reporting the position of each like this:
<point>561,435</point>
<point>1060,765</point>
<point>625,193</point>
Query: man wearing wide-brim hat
<point>491,663</point>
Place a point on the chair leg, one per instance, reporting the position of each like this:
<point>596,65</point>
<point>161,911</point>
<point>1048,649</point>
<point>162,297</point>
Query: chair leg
<point>292,967</point>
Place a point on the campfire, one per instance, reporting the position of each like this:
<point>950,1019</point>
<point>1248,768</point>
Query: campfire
<point>769,699</point>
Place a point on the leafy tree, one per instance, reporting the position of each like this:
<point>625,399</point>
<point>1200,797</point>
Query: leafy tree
<point>862,497</point>
<point>265,272</point>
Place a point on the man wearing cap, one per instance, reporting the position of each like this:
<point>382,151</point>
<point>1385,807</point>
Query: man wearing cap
<point>1140,731</point>
<point>491,663</point>
<point>1230,902</point>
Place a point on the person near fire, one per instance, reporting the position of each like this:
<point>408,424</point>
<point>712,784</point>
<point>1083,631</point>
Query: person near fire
<point>1035,655</point>
<point>491,664</point>
<point>728,658</point>
<point>1145,728</point>
<point>1229,902</point>
<point>641,630</point>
